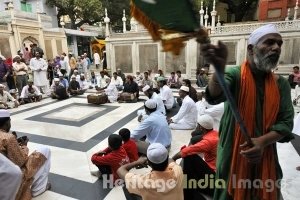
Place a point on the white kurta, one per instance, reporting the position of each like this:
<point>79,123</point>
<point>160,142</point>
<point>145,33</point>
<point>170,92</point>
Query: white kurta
<point>186,118</point>
<point>296,128</point>
<point>96,59</point>
<point>39,68</point>
<point>111,92</point>
<point>10,178</point>
<point>216,112</point>
<point>25,93</point>
<point>167,96</point>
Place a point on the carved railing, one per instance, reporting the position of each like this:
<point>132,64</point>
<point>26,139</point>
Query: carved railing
<point>293,25</point>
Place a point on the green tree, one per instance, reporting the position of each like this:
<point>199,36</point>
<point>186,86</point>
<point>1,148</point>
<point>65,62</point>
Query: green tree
<point>79,11</point>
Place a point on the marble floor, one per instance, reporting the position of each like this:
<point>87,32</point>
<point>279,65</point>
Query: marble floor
<point>74,130</point>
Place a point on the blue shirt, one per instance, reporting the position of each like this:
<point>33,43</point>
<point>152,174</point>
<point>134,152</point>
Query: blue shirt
<point>64,82</point>
<point>156,129</point>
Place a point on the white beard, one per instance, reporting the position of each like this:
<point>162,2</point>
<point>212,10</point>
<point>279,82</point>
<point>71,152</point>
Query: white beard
<point>263,63</point>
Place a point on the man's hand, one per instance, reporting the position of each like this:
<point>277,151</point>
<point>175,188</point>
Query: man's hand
<point>169,121</point>
<point>254,153</point>
<point>140,118</point>
<point>215,54</point>
<point>176,156</point>
<point>141,162</point>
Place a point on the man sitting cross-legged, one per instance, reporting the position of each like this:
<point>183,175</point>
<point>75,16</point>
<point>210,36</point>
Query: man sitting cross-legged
<point>186,118</point>
<point>194,166</point>
<point>164,181</point>
<point>110,159</point>
<point>58,91</point>
<point>129,145</point>
<point>6,100</point>
<point>155,128</point>
<point>74,87</point>
<point>30,93</point>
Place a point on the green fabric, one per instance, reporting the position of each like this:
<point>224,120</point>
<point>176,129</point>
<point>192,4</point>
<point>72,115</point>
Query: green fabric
<point>177,15</point>
<point>283,125</point>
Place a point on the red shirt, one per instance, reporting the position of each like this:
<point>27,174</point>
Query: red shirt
<point>207,146</point>
<point>131,150</point>
<point>114,159</point>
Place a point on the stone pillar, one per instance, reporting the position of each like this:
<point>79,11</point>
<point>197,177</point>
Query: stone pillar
<point>106,20</point>
<point>54,47</point>
<point>124,21</point>
<point>288,15</point>
<point>296,10</point>
<point>213,18</point>
<point>206,17</point>
<point>201,12</point>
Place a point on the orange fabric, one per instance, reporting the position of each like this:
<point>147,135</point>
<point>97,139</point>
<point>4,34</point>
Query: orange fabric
<point>247,107</point>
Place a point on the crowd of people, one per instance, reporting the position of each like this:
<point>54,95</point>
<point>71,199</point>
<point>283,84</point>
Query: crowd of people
<point>217,148</point>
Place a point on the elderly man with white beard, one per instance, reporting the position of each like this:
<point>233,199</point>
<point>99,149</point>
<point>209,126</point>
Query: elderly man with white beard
<point>264,101</point>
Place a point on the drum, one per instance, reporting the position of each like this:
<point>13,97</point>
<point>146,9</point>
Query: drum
<point>97,98</point>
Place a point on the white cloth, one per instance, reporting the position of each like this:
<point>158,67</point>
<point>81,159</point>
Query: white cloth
<point>39,68</point>
<point>186,118</point>
<point>112,92</point>
<point>83,84</point>
<point>216,112</point>
<point>157,153</point>
<point>118,81</point>
<point>167,96</point>
<point>25,93</point>
<point>202,106</point>
<point>40,179</point>
<point>257,34</point>
<point>96,58</point>
<point>18,66</point>
<point>66,58</point>
<point>101,81</point>
<point>296,128</point>
<point>63,64</point>
<point>10,178</point>
<point>156,129</point>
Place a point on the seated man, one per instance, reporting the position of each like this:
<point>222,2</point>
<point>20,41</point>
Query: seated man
<point>110,159</point>
<point>294,78</point>
<point>93,80</point>
<point>154,127</point>
<point>202,78</point>
<point>186,118</point>
<point>146,80</point>
<point>165,93</point>
<point>131,87</point>
<point>164,171</point>
<point>179,79</point>
<point>6,100</point>
<point>58,91</point>
<point>63,81</point>
<point>172,80</point>
<point>101,82</point>
<point>129,145</point>
<point>35,167</point>
<point>83,83</point>
<point>149,92</point>
<point>117,80</point>
<point>192,91</point>
<point>111,91</point>
<point>30,93</point>
<point>74,87</point>
<point>76,74</point>
<point>10,178</point>
<point>194,166</point>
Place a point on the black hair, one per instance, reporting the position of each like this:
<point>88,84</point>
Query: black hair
<point>188,82</point>
<point>125,134</point>
<point>3,120</point>
<point>115,141</point>
<point>115,73</point>
<point>172,72</point>
<point>178,71</point>
<point>146,73</point>
<point>159,167</point>
<point>296,67</point>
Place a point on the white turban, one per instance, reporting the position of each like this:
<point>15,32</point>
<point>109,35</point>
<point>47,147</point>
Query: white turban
<point>56,79</point>
<point>151,104</point>
<point>4,113</point>
<point>206,121</point>
<point>185,88</point>
<point>157,153</point>
<point>147,87</point>
<point>257,34</point>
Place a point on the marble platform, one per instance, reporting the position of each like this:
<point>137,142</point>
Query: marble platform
<point>74,130</point>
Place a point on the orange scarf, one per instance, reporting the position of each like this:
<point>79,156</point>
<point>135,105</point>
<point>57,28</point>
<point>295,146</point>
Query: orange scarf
<point>240,167</point>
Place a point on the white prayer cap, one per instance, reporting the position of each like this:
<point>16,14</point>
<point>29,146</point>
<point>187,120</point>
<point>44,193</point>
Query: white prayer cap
<point>4,113</point>
<point>73,76</point>
<point>206,121</point>
<point>157,153</point>
<point>185,88</point>
<point>151,104</point>
<point>257,34</point>
<point>12,91</point>
<point>118,69</point>
<point>60,74</point>
<point>75,70</point>
<point>147,87</point>
<point>30,80</point>
<point>82,74</point>
<point>2,57</point>
<point>56,79</point>
<point>1,85</point>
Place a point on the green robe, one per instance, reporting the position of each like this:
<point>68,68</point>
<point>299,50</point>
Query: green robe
<point>283,125</point>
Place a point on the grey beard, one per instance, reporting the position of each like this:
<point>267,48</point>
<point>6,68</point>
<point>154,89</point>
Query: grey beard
<point>264,63</point>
